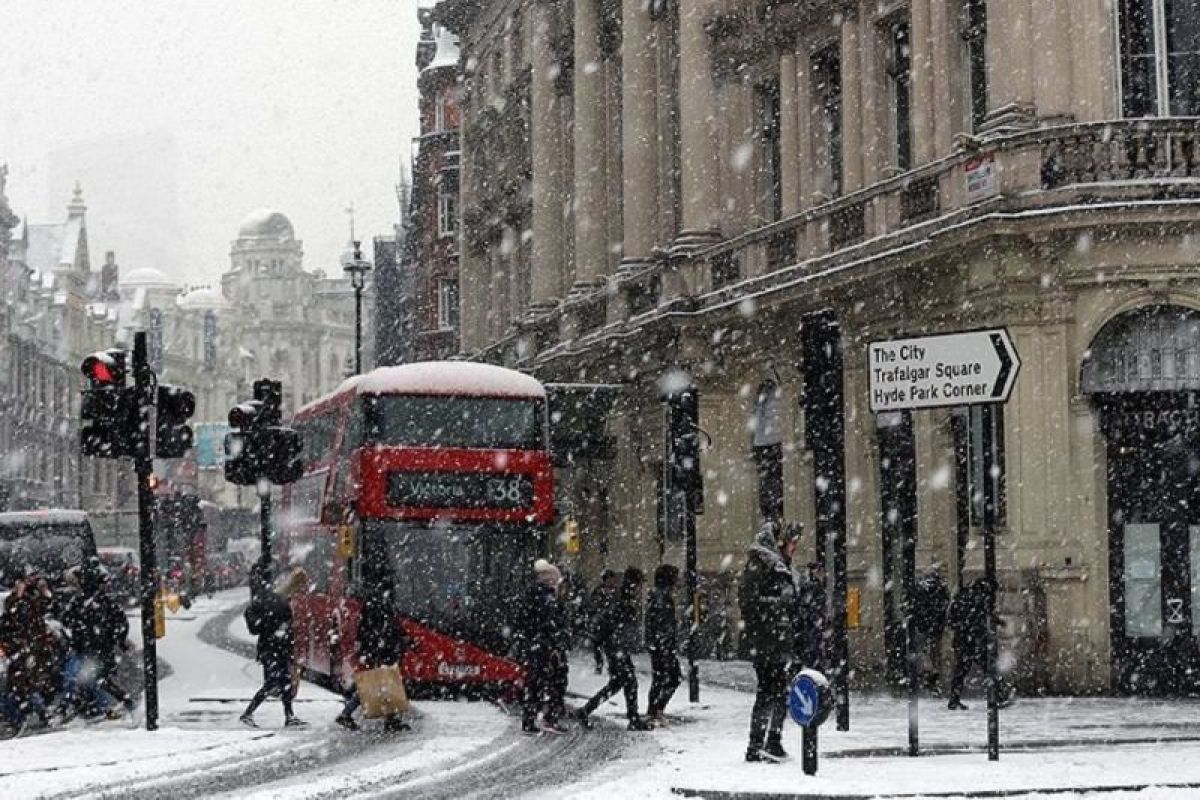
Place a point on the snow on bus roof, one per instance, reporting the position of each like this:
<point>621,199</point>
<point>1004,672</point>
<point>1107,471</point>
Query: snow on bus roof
<point>440,377</point>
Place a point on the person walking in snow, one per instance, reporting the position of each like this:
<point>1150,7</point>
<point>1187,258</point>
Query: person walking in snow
<point>768,602</point>
<point>269,617</point>
<point>662,633</point>
<point>30,651</point>
<point>379,642</point>
<point>968,622</point>
<point>544,640</point>
<point>931,602</point>
<point>619,635</point>
<point>599,609</point>
<point>96,628</point>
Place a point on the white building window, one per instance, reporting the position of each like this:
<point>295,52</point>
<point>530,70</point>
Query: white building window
<point>1160,57</point>
<point>447,213</point>
<point>447,304</point>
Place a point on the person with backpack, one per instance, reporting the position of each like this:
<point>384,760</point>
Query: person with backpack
<point>269,617</point>
<point>662,640</point>
<point>619,637</point>
<point>379,642</point>
<point>599,609</point>
<point>96,628</point>
<point>543,642</point>
<point>768,600</point>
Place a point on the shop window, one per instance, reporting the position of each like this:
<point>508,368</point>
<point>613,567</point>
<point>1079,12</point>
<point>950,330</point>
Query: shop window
<point>1160,57</point>
<point>447,304</point>
<point>827,128</point>
<point>974,55</point>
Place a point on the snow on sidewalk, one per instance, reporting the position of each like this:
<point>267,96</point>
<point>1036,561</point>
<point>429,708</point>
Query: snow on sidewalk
<point>1057,743</point>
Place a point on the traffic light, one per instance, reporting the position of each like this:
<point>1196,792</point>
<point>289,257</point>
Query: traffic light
<point>259,446</point>
<point>108,409</point>
<point>683,432</point>
<point>173,436</point>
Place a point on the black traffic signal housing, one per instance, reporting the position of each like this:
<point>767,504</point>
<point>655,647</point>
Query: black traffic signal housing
<point>109,410</point>
<point>270,394</point>
<point>283,464</point>
<point>242,447</point>
<point>173,436</point>
<point>683,435</point>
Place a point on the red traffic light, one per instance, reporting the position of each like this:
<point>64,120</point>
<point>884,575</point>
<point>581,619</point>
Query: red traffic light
<point>105,369</point>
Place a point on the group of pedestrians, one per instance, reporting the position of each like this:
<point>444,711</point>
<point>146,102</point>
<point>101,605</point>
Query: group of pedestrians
<point>614,625</point>
<point>60,649</point>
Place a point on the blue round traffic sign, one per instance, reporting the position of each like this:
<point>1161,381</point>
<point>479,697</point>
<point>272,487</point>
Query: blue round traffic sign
<point>809,698</point>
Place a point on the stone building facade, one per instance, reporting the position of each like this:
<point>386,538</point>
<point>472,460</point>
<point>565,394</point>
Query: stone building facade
<point>751,192</point>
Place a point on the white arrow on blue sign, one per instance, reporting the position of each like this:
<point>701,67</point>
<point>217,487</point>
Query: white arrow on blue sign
<point>808,698</point>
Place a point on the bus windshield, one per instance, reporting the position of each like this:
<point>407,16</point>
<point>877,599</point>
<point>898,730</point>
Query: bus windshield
<point>441,421</point>
<point>459,579</point>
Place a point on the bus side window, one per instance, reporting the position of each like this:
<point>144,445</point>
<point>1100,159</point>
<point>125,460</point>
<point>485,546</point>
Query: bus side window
<point>319,563</point>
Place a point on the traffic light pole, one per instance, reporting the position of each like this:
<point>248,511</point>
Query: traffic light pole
<point>144,467</point>
<point>693,597</point>
<point>264,521</point>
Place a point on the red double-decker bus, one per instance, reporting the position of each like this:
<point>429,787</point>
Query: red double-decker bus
<point>432,481</point>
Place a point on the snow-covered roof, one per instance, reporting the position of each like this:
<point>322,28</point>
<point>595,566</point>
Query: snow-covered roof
<point>52,516</point>
<point>449,378</point>
<point>149,277</point>
<point>205,297</point>
<point>446,52</point>
<point>266,223</point>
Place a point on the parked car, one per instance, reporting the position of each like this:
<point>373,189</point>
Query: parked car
<point>123,571</point>
<point>47,543</point>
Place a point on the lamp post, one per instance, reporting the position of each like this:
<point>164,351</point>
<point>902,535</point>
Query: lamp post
<point>356,269</point>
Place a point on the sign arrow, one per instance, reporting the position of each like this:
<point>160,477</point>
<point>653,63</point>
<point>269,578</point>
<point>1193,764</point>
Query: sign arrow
<point>1005,365</point>
<point>806,703</point>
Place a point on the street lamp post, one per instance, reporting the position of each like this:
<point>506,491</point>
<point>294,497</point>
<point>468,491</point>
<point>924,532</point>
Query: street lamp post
<point>356,269</point>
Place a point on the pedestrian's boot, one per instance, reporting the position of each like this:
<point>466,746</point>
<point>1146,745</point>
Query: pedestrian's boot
<point>956,705</point>
<point>396,724</point>
<point>530,728</point>
<point>774,750</point>
<point>552,726</point>
<point>294,722</point>
<point>584,717</point>
<point>637,723</point>
<point>755,755</point>
<point>347,722</point>
<point>248,721</point>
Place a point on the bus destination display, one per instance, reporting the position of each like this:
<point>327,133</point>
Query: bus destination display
<point>459,490</point>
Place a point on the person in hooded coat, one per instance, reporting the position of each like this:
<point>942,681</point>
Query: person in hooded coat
<point>662,633</point>
<point>379,642</point>
<point>599,610</point>
<point>768,601</point>
<point>968,621</point>
<point>96,628</point>
<point>620,636</point>
<point>31,651</point>
<point>544,642</point>
<point>270,619</point>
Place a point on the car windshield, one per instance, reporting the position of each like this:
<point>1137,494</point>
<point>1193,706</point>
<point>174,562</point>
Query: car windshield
<point>439,421</point>
<point>42,548</point>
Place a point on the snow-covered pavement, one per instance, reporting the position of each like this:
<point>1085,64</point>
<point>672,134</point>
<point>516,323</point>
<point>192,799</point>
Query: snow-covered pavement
<point>470,749</point>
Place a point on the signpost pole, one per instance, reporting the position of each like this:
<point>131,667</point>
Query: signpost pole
<point>993,428</point>
<point>808,754</point>
<point>908,522</point>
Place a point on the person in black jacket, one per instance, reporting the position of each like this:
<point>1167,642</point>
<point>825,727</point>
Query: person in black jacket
<point>768,601</point>
<point>811,616</point>
<point>544,642</point>
<point>599,609</point>
<point>96,628</point>
<point>269,617</point>
<point>619,635</point>
<point>931,600</point>
<point>662,628</point>
<point>379,642</point>
<point>968,621</point>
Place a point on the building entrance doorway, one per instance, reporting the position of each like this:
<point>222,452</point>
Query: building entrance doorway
<point>1143,375</point>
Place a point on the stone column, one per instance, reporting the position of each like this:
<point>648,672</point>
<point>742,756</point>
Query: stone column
<point>1009,65</point>
<point>590,142</point>
<point>1051,49</point>
<point>924,114</point>
<point>546,261</point>
<point>804,118</point>
<point>789,131</point>
<point>638,118</point>
<point>947,119</point>
<point>700,184</point>
<point>852,139</point>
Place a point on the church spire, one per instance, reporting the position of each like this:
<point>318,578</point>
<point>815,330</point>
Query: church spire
<point>77,208</point>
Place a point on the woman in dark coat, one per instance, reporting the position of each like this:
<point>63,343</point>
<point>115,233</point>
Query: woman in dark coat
<point>380,642</point>
<point>32,653</point>
<point>769,600</point>
<point>662,629</point>
<point>544,642</point>
<point>270,619</point>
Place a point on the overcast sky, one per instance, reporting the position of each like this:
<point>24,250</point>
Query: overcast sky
<point>181,116</point>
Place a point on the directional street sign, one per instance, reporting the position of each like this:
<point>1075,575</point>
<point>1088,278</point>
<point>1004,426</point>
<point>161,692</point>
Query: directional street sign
<point>953,369</point>
<point>809,698</point>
